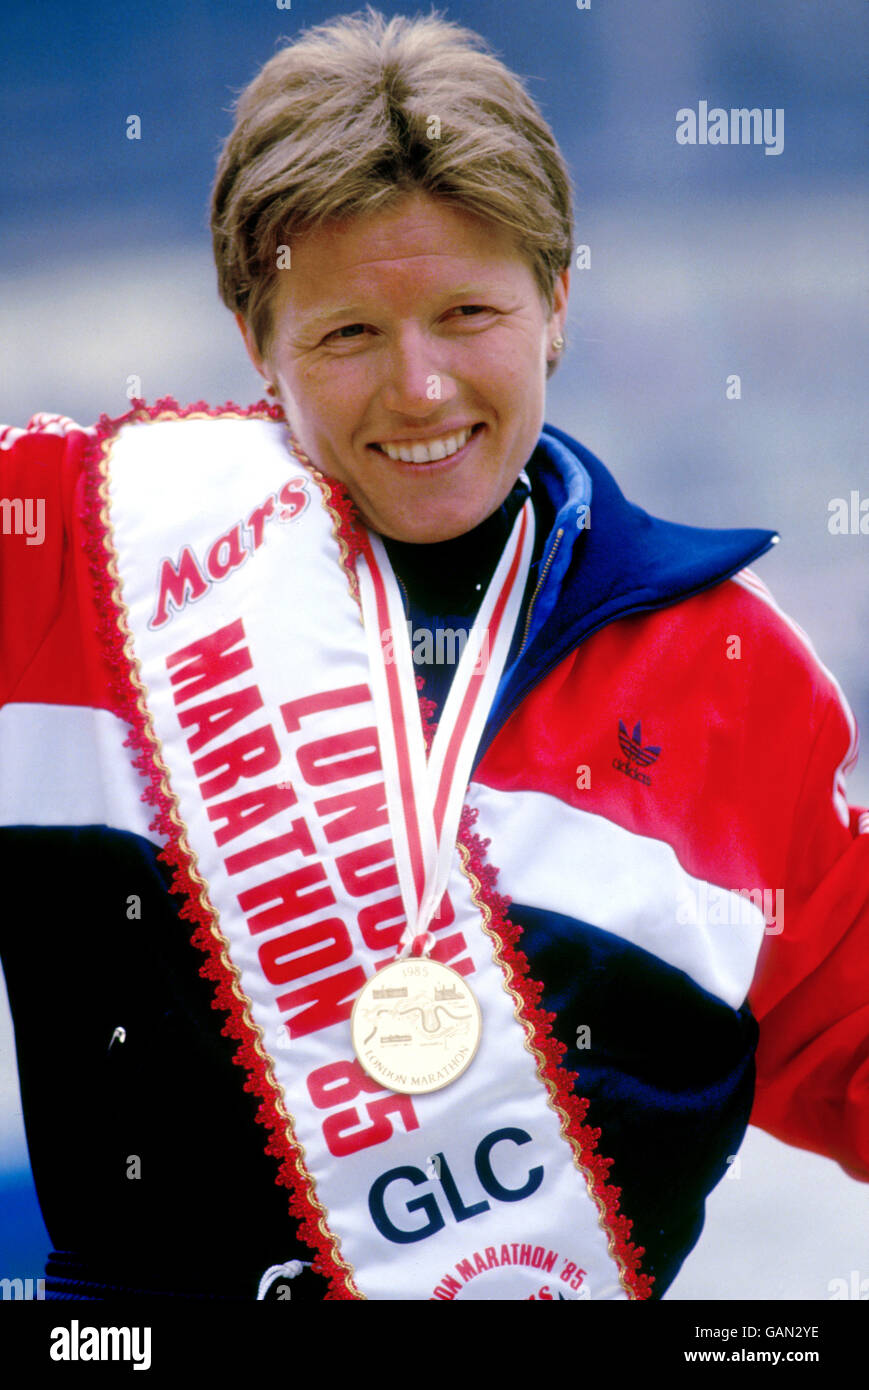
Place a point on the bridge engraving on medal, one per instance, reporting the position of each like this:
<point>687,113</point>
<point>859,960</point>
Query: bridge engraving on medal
<point>416,1026</point>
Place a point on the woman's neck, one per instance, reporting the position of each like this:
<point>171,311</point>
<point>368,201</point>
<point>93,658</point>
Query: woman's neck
<point>451,577</point>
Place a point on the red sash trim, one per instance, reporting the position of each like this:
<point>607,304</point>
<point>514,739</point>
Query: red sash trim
<point>344,520</point>
<point>548,1052</point>
<point>129,703</point>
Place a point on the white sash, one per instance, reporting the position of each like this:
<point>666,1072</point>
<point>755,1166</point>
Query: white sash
<point>256,700</point>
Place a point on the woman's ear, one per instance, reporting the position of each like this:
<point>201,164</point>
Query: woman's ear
<point>557,321</point>
<point>253,353</point>
<point>251,347</point>
<point>560,296</point>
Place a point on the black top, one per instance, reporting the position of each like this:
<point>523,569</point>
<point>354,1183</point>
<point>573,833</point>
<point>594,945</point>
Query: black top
<point>443,585</point>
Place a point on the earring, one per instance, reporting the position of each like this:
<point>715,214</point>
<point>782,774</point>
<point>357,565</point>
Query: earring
<point>557,343</point>
<point>271,389</point>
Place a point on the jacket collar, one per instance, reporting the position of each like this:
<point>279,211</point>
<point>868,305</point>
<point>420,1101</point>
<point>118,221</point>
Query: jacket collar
<point>604,558</point>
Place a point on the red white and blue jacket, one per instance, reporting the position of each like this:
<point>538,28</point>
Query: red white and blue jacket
<point>661,781</point>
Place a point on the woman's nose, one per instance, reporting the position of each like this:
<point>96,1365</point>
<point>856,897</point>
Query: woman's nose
<point>416,379</point>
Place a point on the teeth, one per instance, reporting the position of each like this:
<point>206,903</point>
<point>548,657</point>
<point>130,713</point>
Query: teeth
<point>431,452</point>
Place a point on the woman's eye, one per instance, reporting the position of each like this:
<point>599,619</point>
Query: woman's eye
<point>468,310</point>
<point>346,333</point>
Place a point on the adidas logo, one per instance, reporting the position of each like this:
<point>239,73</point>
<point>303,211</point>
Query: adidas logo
<point>637,756</point>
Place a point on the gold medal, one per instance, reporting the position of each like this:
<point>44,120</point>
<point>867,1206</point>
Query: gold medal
<point>416,1026</point>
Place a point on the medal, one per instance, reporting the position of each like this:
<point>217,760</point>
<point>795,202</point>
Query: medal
<point>416,1025</point>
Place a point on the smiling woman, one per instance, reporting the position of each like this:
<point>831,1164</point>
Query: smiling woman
<point>441,220</point>
<point>456,958</point>
<point>429,406</point>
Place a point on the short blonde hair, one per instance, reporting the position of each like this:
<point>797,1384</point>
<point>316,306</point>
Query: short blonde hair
<point>360,110</point>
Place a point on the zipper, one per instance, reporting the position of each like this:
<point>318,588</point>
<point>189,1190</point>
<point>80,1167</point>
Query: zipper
<point>406,599</point>
<point>541,581</point>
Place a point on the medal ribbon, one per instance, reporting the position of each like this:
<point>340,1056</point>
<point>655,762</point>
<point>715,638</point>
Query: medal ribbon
<point>425,796</point>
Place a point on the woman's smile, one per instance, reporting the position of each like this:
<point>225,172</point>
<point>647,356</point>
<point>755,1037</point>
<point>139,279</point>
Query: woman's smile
<point>441,448</point>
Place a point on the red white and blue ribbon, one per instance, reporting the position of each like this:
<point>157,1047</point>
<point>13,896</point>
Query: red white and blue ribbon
<point>425,795</point>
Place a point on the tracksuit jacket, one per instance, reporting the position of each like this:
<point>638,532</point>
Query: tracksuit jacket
<point>661,780</point>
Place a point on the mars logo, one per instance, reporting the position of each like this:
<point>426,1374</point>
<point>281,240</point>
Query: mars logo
<point>185,581</point>
<point>636,754</point>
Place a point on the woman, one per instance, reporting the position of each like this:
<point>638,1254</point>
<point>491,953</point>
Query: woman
<point>432,1105</point>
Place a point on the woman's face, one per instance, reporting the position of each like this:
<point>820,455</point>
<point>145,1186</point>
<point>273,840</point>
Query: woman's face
<point>409,351</point>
